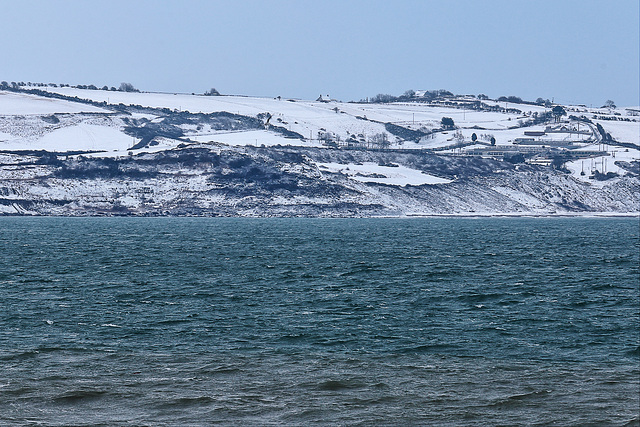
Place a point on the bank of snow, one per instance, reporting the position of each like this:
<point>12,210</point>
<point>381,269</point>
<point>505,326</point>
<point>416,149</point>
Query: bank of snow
<point>390,175</point>
<point>254,137</point>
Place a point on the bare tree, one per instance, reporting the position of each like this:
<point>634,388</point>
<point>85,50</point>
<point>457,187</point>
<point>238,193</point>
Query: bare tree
<point>409,94</point>
<point>127,87</point>
<point>380,139</point>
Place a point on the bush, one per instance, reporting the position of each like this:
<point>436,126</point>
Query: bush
<point>514,158</point>
<point>512,99</point>
<point>447,123</point>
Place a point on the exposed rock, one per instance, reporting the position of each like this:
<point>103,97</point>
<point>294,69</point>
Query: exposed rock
<point>247,181</point>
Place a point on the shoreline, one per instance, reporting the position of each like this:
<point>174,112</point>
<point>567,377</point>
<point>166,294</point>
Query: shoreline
<point>406,216</point>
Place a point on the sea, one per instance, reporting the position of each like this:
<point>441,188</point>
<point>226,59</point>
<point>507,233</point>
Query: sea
<point>336,322</point>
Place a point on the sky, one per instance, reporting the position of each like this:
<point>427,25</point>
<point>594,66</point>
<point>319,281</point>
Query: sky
<point>571,51</point>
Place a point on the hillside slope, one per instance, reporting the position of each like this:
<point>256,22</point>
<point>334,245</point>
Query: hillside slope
<point>83,152</point>
<point>229,181</point>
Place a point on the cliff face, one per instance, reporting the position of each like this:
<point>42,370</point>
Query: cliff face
<point>217,180</point>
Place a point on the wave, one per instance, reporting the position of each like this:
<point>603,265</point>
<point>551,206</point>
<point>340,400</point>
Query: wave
<point>430,348</point>
<point>634,353</point>
<point>338,385</point>
<point>36,352</point>
<point>519,399</point>
<point>185,402</point>
<point>77,396</point>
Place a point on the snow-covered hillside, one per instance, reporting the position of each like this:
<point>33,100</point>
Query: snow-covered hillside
<point>373,159</point>
<point>309,118</point>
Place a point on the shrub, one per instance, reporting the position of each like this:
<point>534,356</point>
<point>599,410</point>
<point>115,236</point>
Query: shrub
<point>447,123</point>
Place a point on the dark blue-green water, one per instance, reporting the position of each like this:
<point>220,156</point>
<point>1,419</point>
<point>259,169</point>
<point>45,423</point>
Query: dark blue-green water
<point>121,321</point>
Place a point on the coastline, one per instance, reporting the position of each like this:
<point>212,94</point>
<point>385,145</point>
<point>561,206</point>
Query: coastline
<point>405,216</point>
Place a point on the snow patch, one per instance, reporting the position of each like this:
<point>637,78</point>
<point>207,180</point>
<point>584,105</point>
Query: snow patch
<point>371,172</point>
<point>25,104</point>
<point>81,137</point>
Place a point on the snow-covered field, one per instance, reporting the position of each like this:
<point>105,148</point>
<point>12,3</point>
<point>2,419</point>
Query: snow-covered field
<point>622,130</point>
<point>81,137</point>
<point>25,104</point>
<point>309,117</point>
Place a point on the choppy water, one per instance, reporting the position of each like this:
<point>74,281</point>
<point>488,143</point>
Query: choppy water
<point>121,321</point>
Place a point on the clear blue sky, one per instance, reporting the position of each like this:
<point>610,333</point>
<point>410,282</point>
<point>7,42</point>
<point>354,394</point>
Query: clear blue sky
<point>576,51</point>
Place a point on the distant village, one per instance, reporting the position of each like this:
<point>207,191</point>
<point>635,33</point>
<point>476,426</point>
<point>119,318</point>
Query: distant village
<point>562,140</point>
